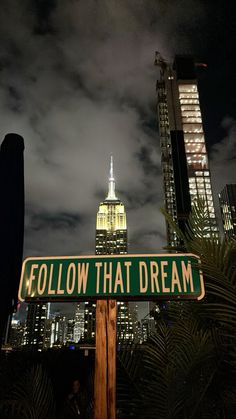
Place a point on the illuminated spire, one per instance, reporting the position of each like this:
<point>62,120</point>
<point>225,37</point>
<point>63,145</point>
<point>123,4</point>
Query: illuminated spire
<point>111,185</point>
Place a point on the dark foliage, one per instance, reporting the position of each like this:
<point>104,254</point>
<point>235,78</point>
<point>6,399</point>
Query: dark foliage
<point>188,366</point>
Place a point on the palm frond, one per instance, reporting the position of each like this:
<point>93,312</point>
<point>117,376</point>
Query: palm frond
<point>129,371</point>
<point>175,358</point>
<point>218,263</point>
<point>216,314</point>
<point>33,392</point>
<point>16,409</point>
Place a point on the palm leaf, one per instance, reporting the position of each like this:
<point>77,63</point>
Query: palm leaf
<point>32,395</point>
<point>17,409</point>
<point>129,366</point>
<point>172,357</point>
<point>218,263</point>
<point>217,313</point>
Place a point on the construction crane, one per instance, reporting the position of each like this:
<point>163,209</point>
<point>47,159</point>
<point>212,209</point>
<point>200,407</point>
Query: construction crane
<point>159,60</point>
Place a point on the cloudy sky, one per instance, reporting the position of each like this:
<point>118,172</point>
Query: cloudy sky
<point>77,81</point>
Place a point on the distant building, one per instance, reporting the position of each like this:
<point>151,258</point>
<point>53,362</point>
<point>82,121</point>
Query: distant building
<point>127,321</point>
<point>58,330</point>
<point>34,336</point>
<point>227,200</point>
<point>79,323</point>
<point>89,321</point>
<point>185,166</point>
<point>16,334</point>
<point>47,333</point>
<point>70,330</point>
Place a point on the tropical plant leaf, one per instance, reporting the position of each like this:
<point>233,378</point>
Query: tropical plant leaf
<point>31,396</point>
<point>217,312</point>
<point>174,359</point>
<point>129,366</point>
<point>16,409</point>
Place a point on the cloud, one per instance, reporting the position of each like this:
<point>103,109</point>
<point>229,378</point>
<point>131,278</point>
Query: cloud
<point>223,157</point>
<point>77,93</point>
<point>77,81</point>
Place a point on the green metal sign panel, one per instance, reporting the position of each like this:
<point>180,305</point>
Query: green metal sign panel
<point>122,277</point>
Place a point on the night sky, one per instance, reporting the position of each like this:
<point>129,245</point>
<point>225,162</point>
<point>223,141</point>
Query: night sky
<point>78,82</point>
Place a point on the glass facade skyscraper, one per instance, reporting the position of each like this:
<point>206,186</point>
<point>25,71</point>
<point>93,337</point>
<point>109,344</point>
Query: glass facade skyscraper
<point>185,164</point>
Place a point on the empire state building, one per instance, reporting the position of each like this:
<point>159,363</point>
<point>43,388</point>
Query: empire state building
<point>111,238</point>
<point>111,227</point>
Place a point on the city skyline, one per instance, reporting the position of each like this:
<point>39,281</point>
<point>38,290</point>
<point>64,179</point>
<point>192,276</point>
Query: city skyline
<point>118,127</point>
<point>78,83</point>
<point>77,96</point>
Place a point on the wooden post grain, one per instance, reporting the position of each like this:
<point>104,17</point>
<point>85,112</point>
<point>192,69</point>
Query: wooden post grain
<point>111,385</point>
<point>105,360</point>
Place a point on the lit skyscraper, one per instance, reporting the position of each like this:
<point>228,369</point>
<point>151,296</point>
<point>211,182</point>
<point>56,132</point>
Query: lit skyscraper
<point>35,326</point>
<point>111,238</point>
<point>183,150</point>
<point>16,333</point>
<point>79,323</point>
<point>58,330</point>
<point>89,321</point>
<point>111,228</point>
<point>228,210</point>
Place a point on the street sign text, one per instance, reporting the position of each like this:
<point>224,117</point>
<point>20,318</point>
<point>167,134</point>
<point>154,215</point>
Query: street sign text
<point>109,276</point>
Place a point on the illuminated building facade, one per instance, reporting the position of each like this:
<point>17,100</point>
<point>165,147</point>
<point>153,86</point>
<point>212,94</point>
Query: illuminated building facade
<point>16,334</point>
<point>185,165</point>
<point>111,238</point>
<point>79,323</point>
<point>58,331</point>
<point>227,200</point>
<point>34,336</point>
<point>70,330</point>
<point>111,228</point>
<point>89,321</point>
<point>147,328</point>
<point>127,321</point>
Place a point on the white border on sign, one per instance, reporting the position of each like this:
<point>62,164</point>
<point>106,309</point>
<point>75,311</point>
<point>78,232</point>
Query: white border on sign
<point>201,296</point>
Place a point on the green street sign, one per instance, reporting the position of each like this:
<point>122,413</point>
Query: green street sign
<point>122,277</point>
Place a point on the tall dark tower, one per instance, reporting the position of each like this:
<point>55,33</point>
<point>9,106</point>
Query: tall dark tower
<point>186,173</point>
<point>11,223</point>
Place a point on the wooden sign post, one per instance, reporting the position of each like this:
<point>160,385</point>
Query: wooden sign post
<point>105,361</point>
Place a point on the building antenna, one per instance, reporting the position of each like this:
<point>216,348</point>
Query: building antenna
<point>111,183</point>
